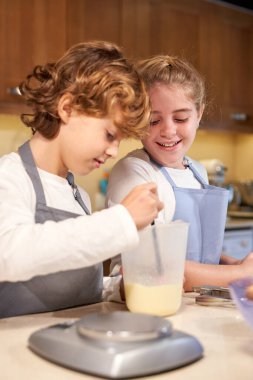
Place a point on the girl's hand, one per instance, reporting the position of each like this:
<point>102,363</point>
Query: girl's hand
<point>246,265</point>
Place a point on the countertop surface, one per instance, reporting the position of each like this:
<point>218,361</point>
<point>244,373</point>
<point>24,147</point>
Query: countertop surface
<point>238,223</point>
<point>226,338</point>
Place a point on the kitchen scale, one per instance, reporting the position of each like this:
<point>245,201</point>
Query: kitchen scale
<point>116,345</point>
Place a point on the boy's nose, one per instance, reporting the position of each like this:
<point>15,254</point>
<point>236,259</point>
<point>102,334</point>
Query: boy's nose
<point>112,151</point>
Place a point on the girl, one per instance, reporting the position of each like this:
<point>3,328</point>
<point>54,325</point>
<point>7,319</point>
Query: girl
<point>51,247</point>
<point>177,96</point>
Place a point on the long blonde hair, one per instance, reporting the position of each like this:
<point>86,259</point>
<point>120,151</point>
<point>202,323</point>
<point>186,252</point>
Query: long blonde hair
<point>170,70</point>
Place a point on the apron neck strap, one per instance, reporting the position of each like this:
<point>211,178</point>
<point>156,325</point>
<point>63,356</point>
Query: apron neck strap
<point>32,171</point>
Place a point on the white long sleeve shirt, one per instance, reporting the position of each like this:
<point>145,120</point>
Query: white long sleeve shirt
<point>29,249</point>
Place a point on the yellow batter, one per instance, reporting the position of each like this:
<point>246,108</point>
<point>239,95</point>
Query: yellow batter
<point>159,300</point>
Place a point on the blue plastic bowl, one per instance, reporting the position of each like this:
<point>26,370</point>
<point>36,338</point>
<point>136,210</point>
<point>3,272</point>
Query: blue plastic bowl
<point>238,293</point>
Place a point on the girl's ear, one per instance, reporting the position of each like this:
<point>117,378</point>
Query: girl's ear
<point>200,112</point>
<point>65,107</point>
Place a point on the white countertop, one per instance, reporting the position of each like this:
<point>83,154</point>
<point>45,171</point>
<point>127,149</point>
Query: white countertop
<point>226,338</point>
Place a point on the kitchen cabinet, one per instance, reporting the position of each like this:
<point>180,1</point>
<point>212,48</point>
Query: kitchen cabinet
<point>218,40</point>
<point>226,60</point>
<point>31,32</point>
<point>125,22</point>
<point>93,20</point>
<point>238,243</point>
<point>174,28</point>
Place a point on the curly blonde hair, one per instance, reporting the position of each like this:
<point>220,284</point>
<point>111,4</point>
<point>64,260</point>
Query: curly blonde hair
<point>99,79</point>
<point>171,70</point>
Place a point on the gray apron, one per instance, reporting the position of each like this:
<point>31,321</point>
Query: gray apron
<point>57,290</point>
<point>205,210</point>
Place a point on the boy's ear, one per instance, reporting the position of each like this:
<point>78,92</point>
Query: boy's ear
<point>65,107</point>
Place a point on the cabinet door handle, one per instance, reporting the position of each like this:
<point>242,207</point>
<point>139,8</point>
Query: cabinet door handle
<point>239,116</point>
<point>14,91</point>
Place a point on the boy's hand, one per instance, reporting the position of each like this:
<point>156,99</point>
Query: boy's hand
<point>143,204</point>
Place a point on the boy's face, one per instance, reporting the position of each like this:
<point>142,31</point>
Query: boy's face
<point>174,121</point>
<point>86,142</point>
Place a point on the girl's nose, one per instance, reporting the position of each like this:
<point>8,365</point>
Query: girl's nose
<point>168,129</point>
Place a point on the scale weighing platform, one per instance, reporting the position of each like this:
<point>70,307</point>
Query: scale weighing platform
<point>116,345</point>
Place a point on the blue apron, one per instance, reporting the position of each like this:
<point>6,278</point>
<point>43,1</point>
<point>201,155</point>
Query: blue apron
<point>205,210</point>
<point>57,290</point>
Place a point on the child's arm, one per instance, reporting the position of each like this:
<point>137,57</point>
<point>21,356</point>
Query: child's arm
<point>29,249</point>
<point>228,260</point>
<point>197,274</point>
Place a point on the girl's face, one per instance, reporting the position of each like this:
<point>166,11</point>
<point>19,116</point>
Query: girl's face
<point>86,142</point>
<point>174,121</point>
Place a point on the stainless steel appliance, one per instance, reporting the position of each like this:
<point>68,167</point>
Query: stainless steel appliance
<point>216,171</point>
<point>243,208</point>
<point>117,345</point>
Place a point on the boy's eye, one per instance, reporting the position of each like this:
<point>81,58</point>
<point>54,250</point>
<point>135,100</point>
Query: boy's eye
<point>154,122</point>
<point>110,136</point>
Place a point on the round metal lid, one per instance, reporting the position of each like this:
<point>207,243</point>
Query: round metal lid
<point>123,326</point>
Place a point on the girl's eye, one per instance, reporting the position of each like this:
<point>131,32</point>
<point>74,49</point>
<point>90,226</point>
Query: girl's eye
<point>181,120</point>
<point>154,122</point>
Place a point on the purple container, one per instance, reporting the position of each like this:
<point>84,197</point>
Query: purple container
<point>238,293</point>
